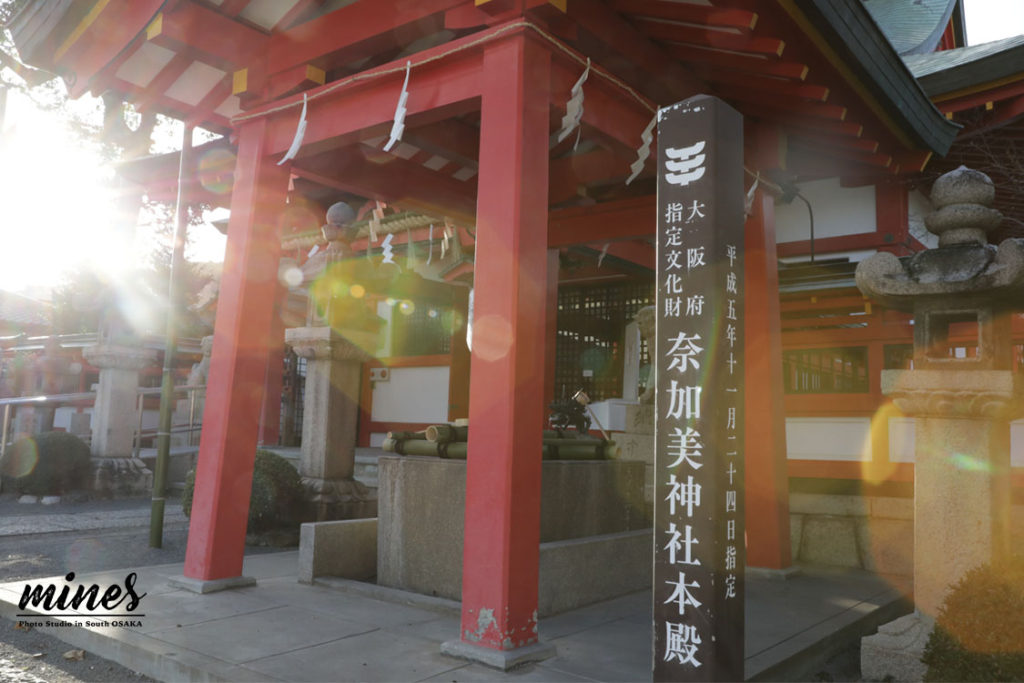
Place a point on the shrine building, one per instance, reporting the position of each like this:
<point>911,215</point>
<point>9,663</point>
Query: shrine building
<point>497,162</point>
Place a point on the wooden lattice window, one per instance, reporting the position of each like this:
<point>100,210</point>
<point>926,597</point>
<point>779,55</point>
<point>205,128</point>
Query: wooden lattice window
<point>826,371</point>
<point>591,330</point>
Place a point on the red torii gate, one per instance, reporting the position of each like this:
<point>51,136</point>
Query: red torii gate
<point>511,71</point>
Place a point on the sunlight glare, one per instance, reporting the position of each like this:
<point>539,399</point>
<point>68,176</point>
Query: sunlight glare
<point>60,208</point>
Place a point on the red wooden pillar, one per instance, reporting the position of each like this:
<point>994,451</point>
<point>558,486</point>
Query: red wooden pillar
<point>273,383</point>
<point>891,217</point>
<point>502,519</point>
<point>551,330</point>
<point>220,506</point>
<point>767,483</point>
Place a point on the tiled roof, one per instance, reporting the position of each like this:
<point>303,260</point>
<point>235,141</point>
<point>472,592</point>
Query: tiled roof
<point>949,70</point>
<point>912,26</point>
<point>923,65</point>
<point>22,310</point>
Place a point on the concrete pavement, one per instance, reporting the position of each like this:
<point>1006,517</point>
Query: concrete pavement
<point>340,630</point>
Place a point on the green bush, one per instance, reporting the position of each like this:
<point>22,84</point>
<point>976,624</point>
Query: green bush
<point>979,631</point>
<point>276,497</point>
<point>47,464</point>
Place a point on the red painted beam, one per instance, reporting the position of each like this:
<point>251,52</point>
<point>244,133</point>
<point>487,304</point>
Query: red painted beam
<point>392,180</point>
<point>211,101</point>
<point>162,81</point>
<point>1002,113</point>
<point>99,38</point>
<point>702,59</point>
<point>740,19</point>
<point>345,107</point>
<point>980,99</point>
<point>452,139</point>
<point>569,173</point>
<point>767,102</point>
<point>354,31</point>
<point>100,82</point>
<point>623,39</point>
<point>620,220</point>
<point>826,245</point>
<point>503,471</point>
<point>635,251</point>
<point>834,141</point>
<point>216,539</point>
<point>721,40</point>
<point>767,486</point>
<point>206,35</point>
<point>290,81</point>
<point>772,86</point>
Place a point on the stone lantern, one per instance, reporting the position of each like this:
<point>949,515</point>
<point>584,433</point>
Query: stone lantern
<point>962,404</point>
<point>340,334</point>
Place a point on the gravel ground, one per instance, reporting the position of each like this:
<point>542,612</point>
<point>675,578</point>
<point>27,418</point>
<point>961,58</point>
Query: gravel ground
<point>28,656</point>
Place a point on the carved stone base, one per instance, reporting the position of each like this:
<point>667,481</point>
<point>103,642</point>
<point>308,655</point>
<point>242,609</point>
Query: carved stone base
<point>340,498</point>
<point>121,477</point>
<point>894,653</point>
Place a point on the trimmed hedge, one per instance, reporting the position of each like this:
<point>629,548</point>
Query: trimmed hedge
<point>276,497</point>
<point>48,464</point>
<point>979,631</point>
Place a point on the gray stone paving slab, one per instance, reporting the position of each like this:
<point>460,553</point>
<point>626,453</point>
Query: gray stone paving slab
<point>285,591</point>
<point>179,609</point>
<point>477,673</point>
<point>437,630</point>
<point>613,651</point>
<point>376,656</point>
<point>282,630</point>
<point>255,635</point>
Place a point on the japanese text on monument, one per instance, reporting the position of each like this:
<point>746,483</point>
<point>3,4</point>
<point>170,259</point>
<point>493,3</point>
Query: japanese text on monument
<point>699,552</point>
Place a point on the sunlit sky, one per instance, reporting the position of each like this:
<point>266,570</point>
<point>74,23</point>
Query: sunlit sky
<point>59,210</point>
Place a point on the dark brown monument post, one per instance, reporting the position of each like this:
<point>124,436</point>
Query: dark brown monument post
<point>699,553</point>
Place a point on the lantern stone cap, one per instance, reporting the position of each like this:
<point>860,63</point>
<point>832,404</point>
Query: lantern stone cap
<point>323,342</point>
<point>118,356</point>
<point>963,199</point>
<point>964,265</point>
<point>994,394</point>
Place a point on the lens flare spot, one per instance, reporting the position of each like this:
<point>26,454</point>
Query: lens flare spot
<point>432,313</point>
<point>492,337</point>
<point>969,463</point>
<point>884,430</point>
<point>390,301</point>
<point>291,277</point>
<point>407,307</point>
<point>21,459</point>
<point>216,169</point>
<point>357,291</point>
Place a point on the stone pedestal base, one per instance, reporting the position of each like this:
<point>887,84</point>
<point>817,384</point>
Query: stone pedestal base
<point>121,477</point>
<point>340,498</point>
<point>211,586</point>
<point>894,653</point>
<point>499,659</point>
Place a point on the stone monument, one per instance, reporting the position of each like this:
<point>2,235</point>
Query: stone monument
<point>962,404</point>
